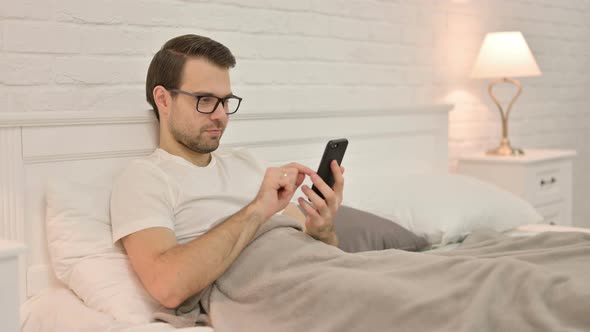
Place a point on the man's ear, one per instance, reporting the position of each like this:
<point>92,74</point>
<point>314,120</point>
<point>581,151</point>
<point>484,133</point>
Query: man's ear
<point>162,99</point>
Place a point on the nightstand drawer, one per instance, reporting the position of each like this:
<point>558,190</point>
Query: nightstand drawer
<point>553,214</point>
<point>546,183</point>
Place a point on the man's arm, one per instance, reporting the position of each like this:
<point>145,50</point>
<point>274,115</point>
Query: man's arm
<point>171,272</point>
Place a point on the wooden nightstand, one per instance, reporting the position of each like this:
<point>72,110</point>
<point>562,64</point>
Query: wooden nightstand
<point>9,285</point>
<point>542,177</point>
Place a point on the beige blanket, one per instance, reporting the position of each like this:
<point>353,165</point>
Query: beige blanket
<point>285,281</point>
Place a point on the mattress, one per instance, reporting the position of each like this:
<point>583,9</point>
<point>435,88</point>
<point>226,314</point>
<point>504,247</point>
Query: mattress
<point>60,310</point>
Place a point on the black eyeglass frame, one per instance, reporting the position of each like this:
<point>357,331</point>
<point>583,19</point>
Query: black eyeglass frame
<point>219,100</point>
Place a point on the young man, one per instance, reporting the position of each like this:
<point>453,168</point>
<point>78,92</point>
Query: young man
<point>188,215</point>
<point>186,212</point>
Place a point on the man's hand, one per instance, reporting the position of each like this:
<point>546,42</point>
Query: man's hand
<point>319,222</point>
<point>279,186</point>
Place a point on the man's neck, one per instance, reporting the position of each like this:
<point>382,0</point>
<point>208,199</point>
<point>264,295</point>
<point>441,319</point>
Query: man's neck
<point>182,151</point>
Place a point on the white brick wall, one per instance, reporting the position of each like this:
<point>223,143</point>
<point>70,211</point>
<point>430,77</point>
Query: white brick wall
<point>80,55</point>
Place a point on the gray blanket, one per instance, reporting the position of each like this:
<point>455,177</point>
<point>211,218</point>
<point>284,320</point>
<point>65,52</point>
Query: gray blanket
<point>285,281</point>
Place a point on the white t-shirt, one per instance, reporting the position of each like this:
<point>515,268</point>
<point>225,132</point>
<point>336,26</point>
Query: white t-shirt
<point>164,190</point>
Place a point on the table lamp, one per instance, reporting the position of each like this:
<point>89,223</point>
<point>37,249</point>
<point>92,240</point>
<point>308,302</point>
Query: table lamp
<point>504,55</point>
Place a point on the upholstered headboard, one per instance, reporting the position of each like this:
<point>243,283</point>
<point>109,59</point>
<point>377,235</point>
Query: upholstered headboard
<point>92,146</point>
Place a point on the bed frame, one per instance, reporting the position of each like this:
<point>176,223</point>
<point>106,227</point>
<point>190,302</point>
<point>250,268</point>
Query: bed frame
<point>93,146</point>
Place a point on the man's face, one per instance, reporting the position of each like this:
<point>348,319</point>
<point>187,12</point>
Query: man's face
<point>199,132</point>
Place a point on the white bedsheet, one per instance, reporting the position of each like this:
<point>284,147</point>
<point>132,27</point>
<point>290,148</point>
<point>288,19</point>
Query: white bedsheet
<point>533,229</point>
<point>60,310</point>
<point>523,231</point>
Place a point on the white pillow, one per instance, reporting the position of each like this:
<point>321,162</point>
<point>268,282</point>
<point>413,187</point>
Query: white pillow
<point>83,256</point>
<point>447,207</point>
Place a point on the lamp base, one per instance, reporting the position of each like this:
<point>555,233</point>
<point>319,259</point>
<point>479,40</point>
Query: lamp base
<point>505,150</point>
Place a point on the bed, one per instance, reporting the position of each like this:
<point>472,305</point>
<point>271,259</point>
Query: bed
<point>389,146</point>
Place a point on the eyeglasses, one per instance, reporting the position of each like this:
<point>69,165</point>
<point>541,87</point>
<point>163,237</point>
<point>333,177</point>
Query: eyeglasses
<point>207,104</point>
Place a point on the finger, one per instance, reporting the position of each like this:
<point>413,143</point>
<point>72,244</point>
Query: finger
<point>289,173</point>
<point>298,176</point>
<point>300,168</point>
<point>318,203</point>
<point>342,169</point>
<point>294,177</point>
<point>286,179</point>
<point>338,178</point>
<point>323,187</point>
<point>308,208</point>
<point>313,222</point>
<point>300,179</point>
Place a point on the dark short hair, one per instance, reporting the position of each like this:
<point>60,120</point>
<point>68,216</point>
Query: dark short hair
<point>167,64</point>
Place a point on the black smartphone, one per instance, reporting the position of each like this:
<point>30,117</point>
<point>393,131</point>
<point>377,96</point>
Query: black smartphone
<point>334,151</point>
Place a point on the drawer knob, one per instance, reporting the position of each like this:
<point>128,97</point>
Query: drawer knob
<point>552,181</point>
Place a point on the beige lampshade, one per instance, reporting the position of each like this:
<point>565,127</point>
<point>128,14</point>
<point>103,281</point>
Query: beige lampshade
<point>505,54</point>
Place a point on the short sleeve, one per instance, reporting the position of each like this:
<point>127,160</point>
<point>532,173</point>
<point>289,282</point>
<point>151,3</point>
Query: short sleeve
<point>141,198</point>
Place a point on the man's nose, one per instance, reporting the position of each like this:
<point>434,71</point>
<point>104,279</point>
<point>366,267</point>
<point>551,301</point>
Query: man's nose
<point>219,112</point>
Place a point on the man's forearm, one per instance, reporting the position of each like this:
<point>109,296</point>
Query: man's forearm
<point>187,269</point>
